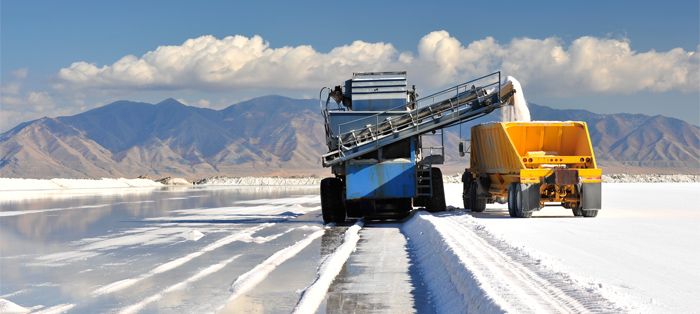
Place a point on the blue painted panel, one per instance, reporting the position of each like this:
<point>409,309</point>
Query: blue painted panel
<point>389,179</point>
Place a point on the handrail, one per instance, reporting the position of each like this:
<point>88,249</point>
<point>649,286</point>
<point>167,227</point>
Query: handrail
<point>451,106</point>
<point>422,99</point>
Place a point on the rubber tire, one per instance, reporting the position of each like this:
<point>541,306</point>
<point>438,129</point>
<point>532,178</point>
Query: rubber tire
<point>332,205</point>
<point>579,211</point>
<point>590,213</point>
<point>517,203</point>
<point>437,201</point>
<point>476,204</point>
<point>466,185</point>
<point>511,199</point>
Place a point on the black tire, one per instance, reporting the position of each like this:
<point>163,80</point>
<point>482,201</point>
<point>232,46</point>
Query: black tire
<point>518,203</point>
<point>437,201</point>
<point>466,185</point>
<point>476,204</point>
<point>589,213</point>
<point>511,199</point>
<point>583,193</point>
<point>332,205</point>
<point>577,212</point>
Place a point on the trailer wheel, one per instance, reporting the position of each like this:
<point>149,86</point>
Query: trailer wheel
<point>332,206</point>
<point>589,200</point>
<point>437,201</point>
<point>589,212</point>
<point>476,204</point>
<point>466,179</point>
<point>515,202</point>
<point>577,211</point>
<point>511,199</point>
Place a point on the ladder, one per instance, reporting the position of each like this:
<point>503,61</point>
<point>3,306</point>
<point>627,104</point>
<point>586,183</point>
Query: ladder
<point>449,107</point>
<point>424,180</point>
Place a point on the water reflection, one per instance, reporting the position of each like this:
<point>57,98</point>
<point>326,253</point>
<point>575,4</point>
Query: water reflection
<point>56,250</point>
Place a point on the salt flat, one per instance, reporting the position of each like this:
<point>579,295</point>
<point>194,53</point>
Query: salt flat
<point>264,249</point>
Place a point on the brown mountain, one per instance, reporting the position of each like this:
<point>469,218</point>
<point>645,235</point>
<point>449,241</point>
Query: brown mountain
<point>275,135</point>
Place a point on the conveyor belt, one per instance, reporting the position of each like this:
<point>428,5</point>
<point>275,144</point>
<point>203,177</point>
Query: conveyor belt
<point>471,103</point>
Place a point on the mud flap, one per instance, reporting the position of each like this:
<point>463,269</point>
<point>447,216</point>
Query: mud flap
<point>530,197</point>
<point>591,196</point>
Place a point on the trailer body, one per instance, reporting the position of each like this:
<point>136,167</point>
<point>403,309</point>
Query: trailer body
<point>528,164</point>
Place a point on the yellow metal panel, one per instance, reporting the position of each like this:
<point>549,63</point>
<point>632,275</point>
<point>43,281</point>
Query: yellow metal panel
<point>492,151</point>
<point>529,151</point>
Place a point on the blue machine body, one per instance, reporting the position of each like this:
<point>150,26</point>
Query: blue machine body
<point>377,151</point>
<point>375,97</point>
<point>369,179</point>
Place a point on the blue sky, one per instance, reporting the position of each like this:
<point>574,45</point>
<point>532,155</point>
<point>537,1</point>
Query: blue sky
<point>41,40</point>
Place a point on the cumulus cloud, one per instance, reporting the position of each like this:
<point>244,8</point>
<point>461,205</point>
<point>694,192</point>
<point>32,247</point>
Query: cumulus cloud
<point>18,104</point>
<point>549,66</point>
<point>18,107</point>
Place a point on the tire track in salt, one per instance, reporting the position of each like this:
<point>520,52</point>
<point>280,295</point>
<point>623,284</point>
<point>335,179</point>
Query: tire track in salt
<point>490,274</point>
<point>125,283</point>
<point>178,286</point>
<point>313,296</point>
<point>57,309</point>
<point>253,277</point>
<point>523,290</point>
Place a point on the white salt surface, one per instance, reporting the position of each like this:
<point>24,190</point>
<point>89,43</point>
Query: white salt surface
<point>125,283</point>
<point>13,189</point>
<point>640,252</point>
<point>193,235</point>
<point>57,309</point>
<point>313,296</point>
<point>253,277</point>
<point>259,181</point>
<point>7,306</point>
<point>13,184</point>
<point>179,286</point>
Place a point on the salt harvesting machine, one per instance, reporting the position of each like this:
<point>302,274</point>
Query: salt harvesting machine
<point>376,131</point>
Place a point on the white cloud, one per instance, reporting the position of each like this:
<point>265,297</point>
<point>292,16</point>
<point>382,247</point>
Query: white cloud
<point>21,73</point>
<point>11,88</point>
<point>17,105</point>
<point>36,101</point>
<point>21,107</point>
<point>588,64</point>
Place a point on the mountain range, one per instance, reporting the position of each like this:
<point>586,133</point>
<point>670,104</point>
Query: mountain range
<point>275,135</point>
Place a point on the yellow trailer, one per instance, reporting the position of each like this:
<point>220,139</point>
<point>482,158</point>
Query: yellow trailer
<point>526,164</point>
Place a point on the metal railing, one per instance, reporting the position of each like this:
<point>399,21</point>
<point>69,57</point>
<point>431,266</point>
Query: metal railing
<point>450,105</point>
